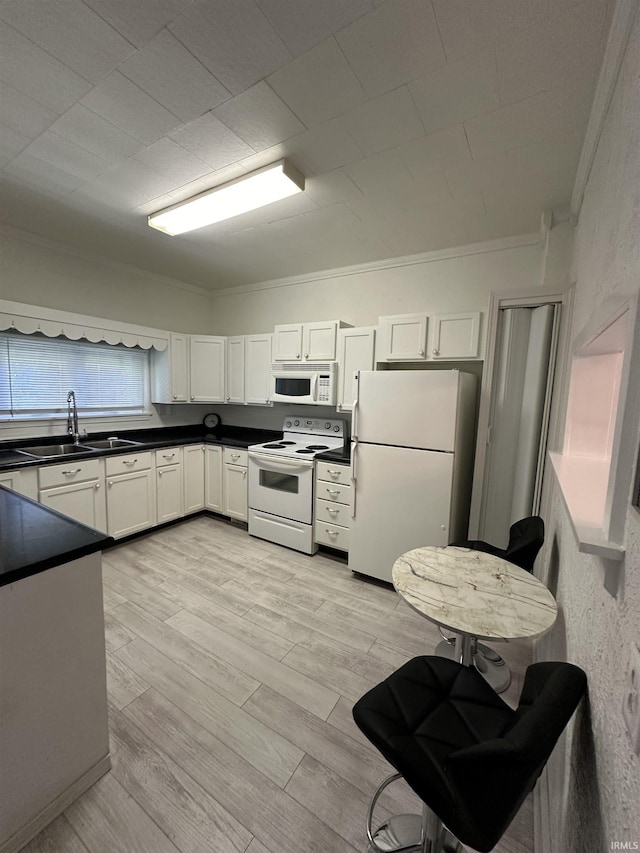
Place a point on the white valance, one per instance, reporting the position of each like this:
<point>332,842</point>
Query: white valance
<point>53,324</point>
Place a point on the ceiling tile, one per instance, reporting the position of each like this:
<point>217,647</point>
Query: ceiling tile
<point>331,188</point>
<point>565,45</point>
<point>305,23</point>
<point>40,175</point>
<point>124,104</point>
<point>457,92</point>
<point>11,142</point>
<point>467,27</point>
<point>67,156</point>
<point>543,117</point>
<point>233,39</point>
<point>172,161</point>
<point>23,114</point>
<point>379,174</point>
<point>438,151</point>
<point>94,133</point>
<point>323,148</point>
<point>213,143</point>
<point>259,117</point>
<point>70,31</point>
<point>396,43</point>
<point>384,122</point>
<point>319,85</point>
<point>125,186</point>
<point>29,69</point>
<point>138,22</point>
<point>174,77</point>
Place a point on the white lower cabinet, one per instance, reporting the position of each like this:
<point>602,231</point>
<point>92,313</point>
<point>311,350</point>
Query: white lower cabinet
<point>193,478</point>
<point>25,482</point>
<point>131,497</point>
<point>75,489</point>
<point>213,483</point>
<point>235,497</point>
<point>332,510</point>
<point>168,484</point>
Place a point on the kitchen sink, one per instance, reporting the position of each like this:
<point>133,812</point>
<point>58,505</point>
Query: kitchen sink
<point>48,450</point>
<point>111,444</point>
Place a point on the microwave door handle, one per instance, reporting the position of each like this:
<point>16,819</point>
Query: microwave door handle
<point>354,476</point>
<point>354,417</point>
<point>314,388</point>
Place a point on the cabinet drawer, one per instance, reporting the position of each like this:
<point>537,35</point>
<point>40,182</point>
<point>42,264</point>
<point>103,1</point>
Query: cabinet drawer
<point>333,492</point>
<point>332,535</point>
<point>332,512</point>
<point>168,456</point>
<point>128,463</point>
<point>333,473</point>
<point>235,456</point>
<point>69,472</point>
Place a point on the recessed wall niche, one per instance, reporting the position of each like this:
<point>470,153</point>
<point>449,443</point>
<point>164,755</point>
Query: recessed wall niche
<point>595,466</point>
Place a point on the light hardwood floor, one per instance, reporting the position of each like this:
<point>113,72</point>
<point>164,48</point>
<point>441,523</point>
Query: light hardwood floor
<point>233,665</point>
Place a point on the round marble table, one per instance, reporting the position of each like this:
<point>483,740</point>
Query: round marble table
<point>474,594</point>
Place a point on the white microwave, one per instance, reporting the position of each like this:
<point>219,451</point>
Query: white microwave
<point>310,384</point>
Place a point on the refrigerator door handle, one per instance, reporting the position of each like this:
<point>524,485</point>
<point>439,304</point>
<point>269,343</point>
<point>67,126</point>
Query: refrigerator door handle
<point>354,416</point>
<point>354,462</point>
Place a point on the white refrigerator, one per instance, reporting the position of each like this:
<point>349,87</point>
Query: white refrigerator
<point>412,464</point>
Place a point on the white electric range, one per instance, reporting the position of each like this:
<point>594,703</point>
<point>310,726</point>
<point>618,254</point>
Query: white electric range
<point>281,480</point>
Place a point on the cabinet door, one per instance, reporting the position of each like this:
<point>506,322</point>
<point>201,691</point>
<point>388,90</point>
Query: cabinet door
<point>178,367</point>
<point>213,477</point>
<point>24,482</point>
<point>287,342</point>
<point>83,502</point>
<point>355,352</point>
<point>235,370</point>
<point>235,491</point>
<point>193,478</point>
<point>257,374</point>
<point>404,337</point>
<point>456,335</point>
<point>168,493</point>
<point>130,503</point>
<point>206,369</point>
<point>319,341</point>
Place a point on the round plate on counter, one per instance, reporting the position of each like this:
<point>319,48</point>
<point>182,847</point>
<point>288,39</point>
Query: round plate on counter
<point>211,421</point>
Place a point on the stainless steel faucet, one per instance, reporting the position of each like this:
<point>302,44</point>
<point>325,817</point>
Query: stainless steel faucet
<point>72,417</point>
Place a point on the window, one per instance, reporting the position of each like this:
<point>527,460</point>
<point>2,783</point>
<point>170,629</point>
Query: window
<point>36,373</point>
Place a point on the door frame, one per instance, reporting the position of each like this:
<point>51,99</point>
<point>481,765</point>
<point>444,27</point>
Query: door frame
<point>497,302</point>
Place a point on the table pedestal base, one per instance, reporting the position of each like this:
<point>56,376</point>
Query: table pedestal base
<point>497,675</point>
<point>403,832</point>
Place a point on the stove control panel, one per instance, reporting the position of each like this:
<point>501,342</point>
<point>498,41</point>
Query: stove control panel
<point>315,426</point>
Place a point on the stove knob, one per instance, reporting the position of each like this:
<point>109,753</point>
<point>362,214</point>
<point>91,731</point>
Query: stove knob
<point>309,423</point>
<point>327,425</point>
<point>287,424</point>
<point>336,428</point>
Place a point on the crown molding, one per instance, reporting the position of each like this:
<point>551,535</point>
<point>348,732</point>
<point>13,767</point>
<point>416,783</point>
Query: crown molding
<point>500,245</point>
<point>81,254</point>
<point>622,20</point>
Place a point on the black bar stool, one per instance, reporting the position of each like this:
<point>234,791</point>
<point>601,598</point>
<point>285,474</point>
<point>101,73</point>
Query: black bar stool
<point>470,758</point>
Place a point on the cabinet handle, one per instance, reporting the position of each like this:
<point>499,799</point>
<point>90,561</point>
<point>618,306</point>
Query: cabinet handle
<point>97,486</point>
<point>175,396</point>
<point>235,456</point>
<point>228,399</point>
<point>334,491</point>
<point>332,511</point>
<point>435,352</point>
<point>333,473</point>
<point>129,461</point>
<point>421,352</point>
<point>306,355</point>
<point>297,355</point>
<point>244,473</point>
<point>192,397</point>
<point>159,473</point>
<point>111,482</point>
<point>331,532</point>
<point>73,473</point>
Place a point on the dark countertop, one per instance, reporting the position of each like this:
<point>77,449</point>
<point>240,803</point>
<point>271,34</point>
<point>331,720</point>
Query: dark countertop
<point>342,455</point>
<point>35,538</point>
<point>228,436</point>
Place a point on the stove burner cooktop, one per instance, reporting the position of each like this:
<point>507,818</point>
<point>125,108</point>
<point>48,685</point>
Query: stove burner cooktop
<point>279,446</point>
<point>305,450</point>
<point>317,446</point>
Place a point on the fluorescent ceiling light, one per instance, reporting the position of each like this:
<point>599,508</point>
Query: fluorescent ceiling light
<point>248,192</point>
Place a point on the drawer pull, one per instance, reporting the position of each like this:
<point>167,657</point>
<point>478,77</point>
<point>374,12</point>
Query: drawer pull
<point>168,455</point>
<point>97,486</point>
<point>331,532</point>
<point>73,473</point>
<point>333,491</point>
<point>333,473</point>
<point>235,456</point>
<point>332,511</point>
<point>129,461</point>
<point>111,482</point>
<point>159,473</point>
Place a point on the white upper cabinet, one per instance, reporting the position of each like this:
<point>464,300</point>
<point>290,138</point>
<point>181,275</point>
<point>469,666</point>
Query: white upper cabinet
<point>403,337</point>
<point>207,369</point>
<point>311,342</point>
<point>170,371</point>
<point>257,374</point>
<point>455,336</point>
<point>355,352</point>
<point>235,370</point>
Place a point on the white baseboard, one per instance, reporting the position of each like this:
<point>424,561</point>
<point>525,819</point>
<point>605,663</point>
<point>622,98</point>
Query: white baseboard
<point>54,809</point>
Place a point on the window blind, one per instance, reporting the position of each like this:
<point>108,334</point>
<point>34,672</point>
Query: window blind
<point>36,373</point>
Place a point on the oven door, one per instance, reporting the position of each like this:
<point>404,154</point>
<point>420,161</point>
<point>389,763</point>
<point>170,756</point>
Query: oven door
<point>282,487</point>
<point>299,387</point>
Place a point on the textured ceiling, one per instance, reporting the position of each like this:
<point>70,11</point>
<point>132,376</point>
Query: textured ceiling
<point>419,124</point>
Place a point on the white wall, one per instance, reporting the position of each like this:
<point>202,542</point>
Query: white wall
<point>594,794</point>
<point>433,283</point>
<point>39,272</point>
